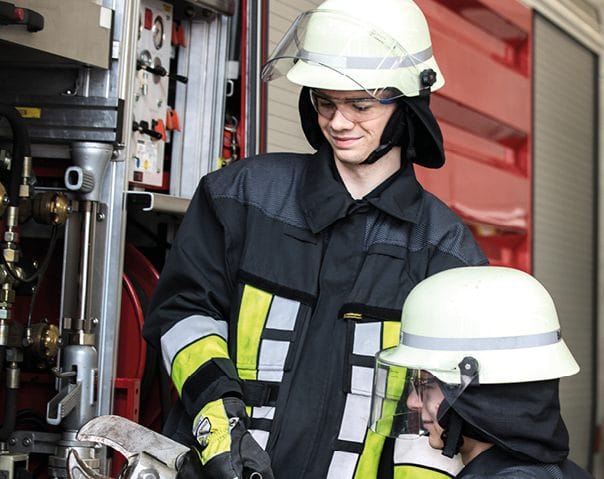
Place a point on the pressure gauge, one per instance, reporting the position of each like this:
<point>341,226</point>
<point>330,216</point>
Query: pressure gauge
<point>158,32</point>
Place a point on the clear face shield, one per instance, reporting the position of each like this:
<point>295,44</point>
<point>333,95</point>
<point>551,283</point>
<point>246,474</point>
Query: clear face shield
<point>407,401</point>
<point>329,50</point>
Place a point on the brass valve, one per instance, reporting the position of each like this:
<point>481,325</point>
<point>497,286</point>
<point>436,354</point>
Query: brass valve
<point>51,208</point>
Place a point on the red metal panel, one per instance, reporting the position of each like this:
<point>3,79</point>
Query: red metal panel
<point>485,109</point>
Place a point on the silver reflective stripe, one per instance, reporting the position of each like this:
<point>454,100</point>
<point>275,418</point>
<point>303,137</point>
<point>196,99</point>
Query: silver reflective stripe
<point>361,381</point>
<point>342,465</point>
<point>367,338</point>
<point>263,412</point>
<point>355,418</point>
<point>260,436</point>
<point>480,344</point>
<point>365,63</point>
<point>282,314</point>
<point>186,332</point>
<point>271,362</point>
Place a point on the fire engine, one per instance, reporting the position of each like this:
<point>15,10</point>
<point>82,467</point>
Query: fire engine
<point>112,110</point>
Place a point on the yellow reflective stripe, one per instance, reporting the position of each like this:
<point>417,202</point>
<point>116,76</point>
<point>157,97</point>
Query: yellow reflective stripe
<point>394,389</point>
<point>390,334</point>
<point>370,457</point>
<point>255,305</point>
<point>189,359</point>
<point>416,472</point>
<point>219,440</point>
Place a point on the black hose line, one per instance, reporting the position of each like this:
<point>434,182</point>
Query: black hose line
<point>21,149</point>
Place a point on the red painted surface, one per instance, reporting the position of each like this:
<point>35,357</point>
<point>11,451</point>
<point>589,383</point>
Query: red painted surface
<point>483,48</point>
<point>139,282</point>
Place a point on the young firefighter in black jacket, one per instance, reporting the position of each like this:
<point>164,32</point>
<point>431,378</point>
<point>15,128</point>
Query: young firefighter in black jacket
<point>289,271</point>
<point>477,371</point>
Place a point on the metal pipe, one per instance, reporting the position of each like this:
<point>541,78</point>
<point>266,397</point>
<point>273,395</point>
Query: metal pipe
<point>89,217</point>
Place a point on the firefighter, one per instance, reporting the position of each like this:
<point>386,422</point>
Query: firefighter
<point>477,370</point>
<point>289,271</point>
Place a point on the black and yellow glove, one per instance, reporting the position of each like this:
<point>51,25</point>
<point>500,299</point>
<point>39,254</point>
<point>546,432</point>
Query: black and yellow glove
<point>228,450</point>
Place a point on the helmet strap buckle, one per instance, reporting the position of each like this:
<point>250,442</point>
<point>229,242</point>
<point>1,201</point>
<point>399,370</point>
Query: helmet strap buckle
<point>427,78</point>
<point>468,370</point>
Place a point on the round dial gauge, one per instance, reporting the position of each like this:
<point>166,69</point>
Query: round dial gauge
<point>158,32</point>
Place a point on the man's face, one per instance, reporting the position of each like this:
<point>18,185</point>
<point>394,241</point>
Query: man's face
<point>427,398</point>
<point>352,139</point>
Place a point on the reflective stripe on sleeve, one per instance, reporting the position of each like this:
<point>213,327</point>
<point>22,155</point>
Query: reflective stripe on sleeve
<point>186,332</point>
<point>188,360</point>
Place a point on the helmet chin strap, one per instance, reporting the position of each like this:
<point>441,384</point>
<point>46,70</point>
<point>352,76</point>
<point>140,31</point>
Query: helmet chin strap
<point>378,153</point>
<point>392,134</point>
<point>452,434</point>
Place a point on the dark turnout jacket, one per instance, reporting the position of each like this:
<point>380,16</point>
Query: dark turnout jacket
<point>281,288</point>
<point>497,464</point>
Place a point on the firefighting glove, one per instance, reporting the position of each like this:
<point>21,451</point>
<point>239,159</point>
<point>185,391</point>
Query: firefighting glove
<point>228,450</point>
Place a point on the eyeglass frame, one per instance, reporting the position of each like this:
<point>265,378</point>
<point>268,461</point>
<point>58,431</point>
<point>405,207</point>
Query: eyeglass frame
<point>422,384</point>
<point>379,101</point>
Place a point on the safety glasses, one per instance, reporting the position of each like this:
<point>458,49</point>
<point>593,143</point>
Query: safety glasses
<point>423,383</point>
<point>401,393</point>
<point>353,109</point>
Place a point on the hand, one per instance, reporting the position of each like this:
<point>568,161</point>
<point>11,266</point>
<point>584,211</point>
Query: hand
<point>228,450</point>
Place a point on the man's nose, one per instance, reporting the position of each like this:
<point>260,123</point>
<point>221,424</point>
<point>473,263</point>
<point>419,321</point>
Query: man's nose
<point>340,122</point>
<point>414,402</point>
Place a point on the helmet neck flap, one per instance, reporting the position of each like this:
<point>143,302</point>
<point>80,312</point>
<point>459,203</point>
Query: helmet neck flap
<point>523,419</point>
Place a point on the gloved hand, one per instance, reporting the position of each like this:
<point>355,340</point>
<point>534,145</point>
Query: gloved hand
<point>228,450</point>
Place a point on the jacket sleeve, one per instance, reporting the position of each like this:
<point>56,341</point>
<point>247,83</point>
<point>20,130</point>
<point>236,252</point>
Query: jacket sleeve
<point>187,316</point>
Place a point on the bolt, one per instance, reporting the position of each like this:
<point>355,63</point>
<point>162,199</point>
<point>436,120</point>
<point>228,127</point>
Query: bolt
<point>26,441</point>
<point>12,441</point>
<point>100,217</point>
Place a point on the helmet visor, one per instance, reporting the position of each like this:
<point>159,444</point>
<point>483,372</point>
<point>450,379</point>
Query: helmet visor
<point>329,50</point>
<point>406,401</point>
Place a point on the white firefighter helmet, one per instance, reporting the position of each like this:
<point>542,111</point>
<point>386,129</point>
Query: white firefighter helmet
<point>467,326</point>
<point>502,317</point>
<point>358,45</point>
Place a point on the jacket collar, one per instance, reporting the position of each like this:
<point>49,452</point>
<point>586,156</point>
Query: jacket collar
<point>326,200</point>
